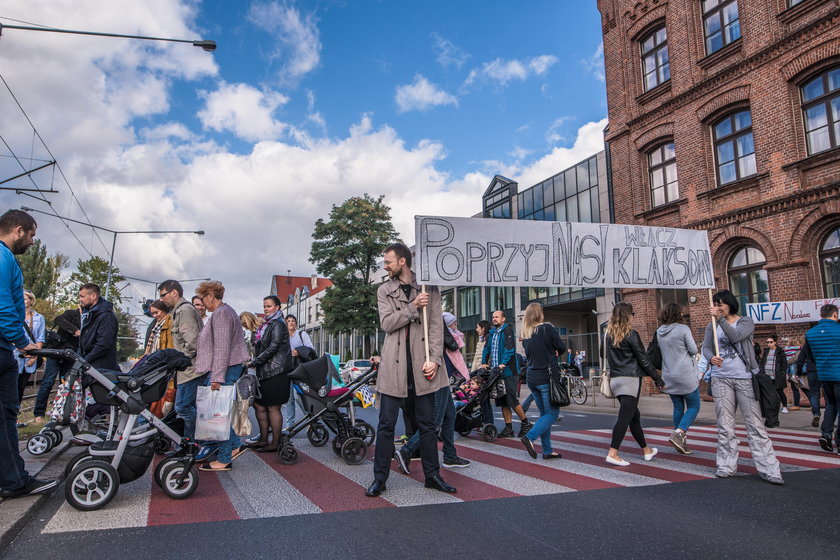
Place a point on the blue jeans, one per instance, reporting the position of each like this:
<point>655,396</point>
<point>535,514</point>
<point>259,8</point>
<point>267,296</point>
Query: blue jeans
<point>52,370</point>
<point>526,404</point>
<point>444,419</point>
<point>686,409</point>
<point>289,409</point>
<point>814,392</point>
<point>13,473</point>
<point>185,403</point>
<point>233,442</point>
<point>548,415</point>
<point>832,407</point>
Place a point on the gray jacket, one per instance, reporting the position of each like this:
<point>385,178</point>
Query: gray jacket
<point>186,326</point>
<point>678,349</point>
<point>741,336</point>
<point>396,314</point>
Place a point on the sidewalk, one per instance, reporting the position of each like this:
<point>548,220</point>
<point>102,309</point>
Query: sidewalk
<point>16,513</point>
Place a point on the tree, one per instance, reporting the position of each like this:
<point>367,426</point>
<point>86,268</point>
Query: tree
<point>42,272</point>
<point>127,335</point>
<point>95,270</point>
<point>345,249</point>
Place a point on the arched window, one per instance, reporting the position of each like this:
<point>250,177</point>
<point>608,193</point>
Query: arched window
<point>734,147</point>
<point>830,261</point>
<point>821,111</point>
<point>662,167</point>
<point>655,66</point>
<point>747,277</point>
<point>721,24</point>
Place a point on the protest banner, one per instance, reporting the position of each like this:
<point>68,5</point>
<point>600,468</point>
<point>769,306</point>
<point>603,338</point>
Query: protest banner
<point>781,312</point>
<point>494,252</point>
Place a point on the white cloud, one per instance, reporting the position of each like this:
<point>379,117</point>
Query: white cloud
<point>594,64</point>
<point>421,95</point>
<point>243,110</point>
<point>501,72</point>
<point>297,36</point>
<point>554,135</point>
<point>447,53</point>
<point>588,141</point>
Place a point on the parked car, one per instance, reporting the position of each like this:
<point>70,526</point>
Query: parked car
<point>354,369</point>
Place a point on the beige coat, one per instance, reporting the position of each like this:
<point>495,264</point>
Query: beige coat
<point>186,326</point>
<point>396,314</point>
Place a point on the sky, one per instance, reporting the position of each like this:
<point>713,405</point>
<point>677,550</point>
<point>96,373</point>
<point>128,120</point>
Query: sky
<point>302,106</point>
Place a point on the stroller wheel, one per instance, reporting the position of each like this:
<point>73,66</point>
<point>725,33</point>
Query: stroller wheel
<point>54,435</point>
<point>318,435</point>
<point>39,444</point>
<point>288,454</point>
<point>158,474</point>
<point>367,432</point>
<point>169,481</point>
<point>162,445</point>
<point>354,451</point>
<point>336,445</point>
<point>76,461</point>
<point>91,485</point>
<point>489,432</point>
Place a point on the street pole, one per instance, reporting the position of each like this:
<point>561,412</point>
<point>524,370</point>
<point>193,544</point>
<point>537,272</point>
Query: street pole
<point>110,267</point>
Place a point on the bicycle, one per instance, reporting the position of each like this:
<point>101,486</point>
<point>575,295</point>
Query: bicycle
<point>576,384</point>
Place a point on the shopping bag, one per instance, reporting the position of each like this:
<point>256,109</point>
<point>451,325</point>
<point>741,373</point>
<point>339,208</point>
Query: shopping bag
<point>213,409</point>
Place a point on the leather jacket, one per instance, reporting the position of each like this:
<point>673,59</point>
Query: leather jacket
<point>629,358</point>
<point>273,351</point>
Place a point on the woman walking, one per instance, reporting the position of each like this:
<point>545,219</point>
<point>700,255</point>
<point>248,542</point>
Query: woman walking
<point>273,361</point>
<point>542,346</point>
<point>678,349</point>
<point>627,359</point>
<point>774,364</point>
<point>732,388</point>
<point>222,353</point>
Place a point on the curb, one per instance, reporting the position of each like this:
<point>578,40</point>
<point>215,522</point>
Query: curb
<point>17,512</point>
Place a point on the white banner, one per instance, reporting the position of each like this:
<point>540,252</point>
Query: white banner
<point>779,312</point>
<point>494,252</point>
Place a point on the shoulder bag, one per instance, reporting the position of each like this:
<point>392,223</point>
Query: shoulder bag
<point>606,390</point>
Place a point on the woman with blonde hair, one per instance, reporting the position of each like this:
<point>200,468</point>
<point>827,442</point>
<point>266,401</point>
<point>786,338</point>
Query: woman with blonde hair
<point>542,347</point>
<point>36,334</point>
<point>250,324</point>
<point>627,358</point>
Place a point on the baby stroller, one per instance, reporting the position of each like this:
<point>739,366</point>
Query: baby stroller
<point>94,476</point>
<point>469,417</point>
<point>322,404</point>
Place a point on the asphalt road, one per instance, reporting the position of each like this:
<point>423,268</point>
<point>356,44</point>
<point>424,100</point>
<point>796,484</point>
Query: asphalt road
<point>685,514</point>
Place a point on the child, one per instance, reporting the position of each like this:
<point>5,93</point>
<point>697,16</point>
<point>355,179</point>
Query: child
<point>466,391</point>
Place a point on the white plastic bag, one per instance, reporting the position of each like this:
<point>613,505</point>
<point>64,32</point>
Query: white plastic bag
<point>213,410</point>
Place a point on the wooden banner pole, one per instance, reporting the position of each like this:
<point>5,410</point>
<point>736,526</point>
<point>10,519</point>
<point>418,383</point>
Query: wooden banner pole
<point>426,323</point>
<point>714,326</point>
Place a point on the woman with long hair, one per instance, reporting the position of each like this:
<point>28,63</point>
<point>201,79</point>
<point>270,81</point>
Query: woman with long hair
<point>36,334</point>
<point>250,323</point>
<point>542,346</point>
<point>627,359</point>
<point>682,384</point>
<point>732,388</point>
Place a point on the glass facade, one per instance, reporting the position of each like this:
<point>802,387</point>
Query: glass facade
<point>496,201</point>
<point>569,196</point>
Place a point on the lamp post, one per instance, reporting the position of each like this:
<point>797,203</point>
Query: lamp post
<point>115,233</point>
<point>208,46</point>
<point>156,283</point>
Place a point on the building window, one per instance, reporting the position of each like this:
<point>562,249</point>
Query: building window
<point>721,25</point>
<point>830,259</point>
<point>662,165</point>
<point>747,277</point>
<point>792,3</point>
<point>447,301</point>
<point>469,302</point>
<point>734,147</point>
<point>821,108</point>
<point>655,67</point>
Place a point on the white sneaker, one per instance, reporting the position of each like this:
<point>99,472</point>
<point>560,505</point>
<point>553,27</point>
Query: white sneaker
<point>652,454</point>
<point>617,462</point>
<point>784,410</point>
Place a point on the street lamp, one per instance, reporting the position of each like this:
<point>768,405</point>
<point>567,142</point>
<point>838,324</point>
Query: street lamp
<point>155,282</point>
<point>115,233</point>
<point>208,46</point>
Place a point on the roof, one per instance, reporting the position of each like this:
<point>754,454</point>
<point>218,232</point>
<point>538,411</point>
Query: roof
<point>284,286</point>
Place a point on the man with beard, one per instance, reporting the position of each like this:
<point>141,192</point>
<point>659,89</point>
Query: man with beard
<point>98,335</point>
<point>405,373</point>
<point>17,233</point>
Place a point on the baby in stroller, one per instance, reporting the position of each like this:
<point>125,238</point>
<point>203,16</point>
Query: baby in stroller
<point>468,415</point>
<point>466,391</point>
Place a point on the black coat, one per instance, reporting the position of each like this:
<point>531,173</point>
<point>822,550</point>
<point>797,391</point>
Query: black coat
<point>629,358</point>
<point>273,351</point>
<point>64,336</point>
<point>780,379</point>
<point>98,339</point>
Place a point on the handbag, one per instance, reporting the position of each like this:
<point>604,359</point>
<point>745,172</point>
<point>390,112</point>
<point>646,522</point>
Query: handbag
<point>499,389</point>
<point>654,353</point>
<point>213,413</point>
<point>558,392</point>
<point>606,390</point>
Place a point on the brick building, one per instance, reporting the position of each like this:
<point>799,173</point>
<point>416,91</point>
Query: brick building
<point>724,115</point>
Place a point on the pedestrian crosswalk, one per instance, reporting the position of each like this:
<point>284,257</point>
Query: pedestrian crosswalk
<point>260,486</point>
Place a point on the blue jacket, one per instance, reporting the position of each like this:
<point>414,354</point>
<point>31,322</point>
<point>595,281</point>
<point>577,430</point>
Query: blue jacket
<point>824,344</point>
<point>506,350</point>
<point>12,308</point>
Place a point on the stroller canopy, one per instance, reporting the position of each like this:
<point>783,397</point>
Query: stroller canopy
<point>172,359</point>
<point>316,373</point>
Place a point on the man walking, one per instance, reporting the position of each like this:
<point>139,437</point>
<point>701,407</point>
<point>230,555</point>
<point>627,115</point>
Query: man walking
<point>186,326</point>
<point>17,232</point>
<point>199,306</point>
<point>98,335</point>
<point>824,345</point>
<point>500,351</point>
<point>404,372</point>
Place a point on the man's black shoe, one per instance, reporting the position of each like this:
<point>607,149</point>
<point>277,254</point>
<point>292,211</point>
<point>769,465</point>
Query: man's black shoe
<point>375,489</point>
<point>437,483</point>
<point>507,432</point>
<point>825,443</point>
<point>34,486</point>
<point>404,462</point>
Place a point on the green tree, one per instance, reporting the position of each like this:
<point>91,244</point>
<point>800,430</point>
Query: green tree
<point>127,335</point>
<point>41,271</point>
<point>345,249</point>
<point>95,270</point>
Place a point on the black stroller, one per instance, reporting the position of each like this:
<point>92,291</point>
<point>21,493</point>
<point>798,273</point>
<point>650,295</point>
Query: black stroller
<point>469,417</point>
<point>322,403</point>
<point>94,475</point>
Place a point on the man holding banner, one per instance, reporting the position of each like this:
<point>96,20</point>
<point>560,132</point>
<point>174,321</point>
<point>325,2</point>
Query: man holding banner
<point>411,356</point>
